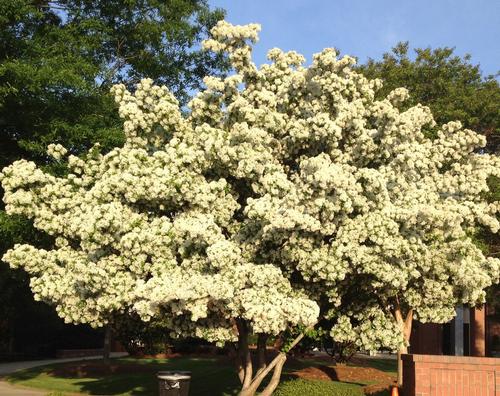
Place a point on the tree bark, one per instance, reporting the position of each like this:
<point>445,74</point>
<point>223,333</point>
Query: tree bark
<point>405,326</point>
<point>261,352</point>
<point>107,344</point>
<point>11,341</point>
<point>275,379</point>
<point>239,366</point>
<point>251,383</point>
<point>246,370</point>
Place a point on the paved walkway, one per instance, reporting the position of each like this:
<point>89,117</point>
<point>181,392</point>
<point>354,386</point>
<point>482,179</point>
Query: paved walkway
<point>8,368</point>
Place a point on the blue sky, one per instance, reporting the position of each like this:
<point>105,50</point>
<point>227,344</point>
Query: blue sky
<point>368,28</point>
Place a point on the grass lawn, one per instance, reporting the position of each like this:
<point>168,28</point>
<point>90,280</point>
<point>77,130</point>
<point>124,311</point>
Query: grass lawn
<point>210,377</point>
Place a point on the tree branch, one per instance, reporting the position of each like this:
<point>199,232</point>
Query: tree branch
<point>275,379</point>
<point>277,364</point>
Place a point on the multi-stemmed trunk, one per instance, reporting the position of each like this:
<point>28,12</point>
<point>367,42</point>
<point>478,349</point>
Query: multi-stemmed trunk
<point>251,381</point>
<point>405,326</point>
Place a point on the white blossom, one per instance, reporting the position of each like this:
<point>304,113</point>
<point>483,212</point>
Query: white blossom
<point>284,188</point>
<point>56,151</point>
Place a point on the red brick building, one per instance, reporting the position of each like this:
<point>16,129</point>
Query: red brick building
<point>473,332</point>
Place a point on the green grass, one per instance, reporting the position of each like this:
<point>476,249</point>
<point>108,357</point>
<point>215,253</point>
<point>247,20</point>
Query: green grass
<point>301,387</point>
<point>210,376</point>
<point>57,394</point>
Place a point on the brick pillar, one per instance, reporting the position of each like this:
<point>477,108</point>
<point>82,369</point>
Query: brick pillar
<point>478,331</point>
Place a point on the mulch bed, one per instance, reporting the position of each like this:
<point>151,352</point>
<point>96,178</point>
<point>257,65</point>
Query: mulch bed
<point>357,375</point>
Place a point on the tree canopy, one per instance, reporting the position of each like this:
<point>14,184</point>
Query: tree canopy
<point>284,194</point>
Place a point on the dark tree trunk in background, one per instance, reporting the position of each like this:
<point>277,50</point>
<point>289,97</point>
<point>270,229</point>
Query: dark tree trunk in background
<point>107,343</point>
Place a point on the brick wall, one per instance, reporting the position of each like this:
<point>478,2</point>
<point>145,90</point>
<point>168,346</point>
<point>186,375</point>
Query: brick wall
<point>432,375</point>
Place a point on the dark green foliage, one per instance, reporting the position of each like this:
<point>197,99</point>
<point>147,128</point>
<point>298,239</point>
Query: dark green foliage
<point>58,60</point>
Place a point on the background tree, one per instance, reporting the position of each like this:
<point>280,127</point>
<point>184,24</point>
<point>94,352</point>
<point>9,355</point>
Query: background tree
<point>58,60</point>
<point>284,193</point>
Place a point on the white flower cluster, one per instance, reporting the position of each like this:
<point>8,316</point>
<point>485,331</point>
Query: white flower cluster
<point>284,186</point>
<point>372,330</point>
<point>56,151</point>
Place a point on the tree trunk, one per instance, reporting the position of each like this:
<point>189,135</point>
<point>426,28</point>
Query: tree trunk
<point>107,344</point>
<point>275,379</point>
<point>405,326</point>
<point>11,341</point>
<point>276,366</point>
<point>250,382</point>
<point>261,352</point>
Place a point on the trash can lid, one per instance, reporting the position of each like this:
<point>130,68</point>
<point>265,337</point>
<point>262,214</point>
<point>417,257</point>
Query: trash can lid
<point>174,375</point>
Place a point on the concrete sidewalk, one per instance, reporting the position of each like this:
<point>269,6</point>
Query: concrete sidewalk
<point>7,389</point>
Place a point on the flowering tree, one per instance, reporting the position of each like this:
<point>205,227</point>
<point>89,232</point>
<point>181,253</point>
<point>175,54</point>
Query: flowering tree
<point>284,189</point>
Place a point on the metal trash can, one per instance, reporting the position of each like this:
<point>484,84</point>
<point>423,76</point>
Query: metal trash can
<point>174,383</point>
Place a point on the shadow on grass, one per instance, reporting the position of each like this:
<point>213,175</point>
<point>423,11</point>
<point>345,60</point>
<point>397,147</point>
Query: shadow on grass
<point>24,375</point>
<point>139,384</point>
<point>386,365</point>
<point>209,377</point>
